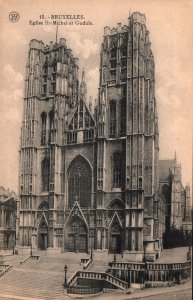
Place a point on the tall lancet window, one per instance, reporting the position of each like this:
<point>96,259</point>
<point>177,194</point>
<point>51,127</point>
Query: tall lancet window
<point>112,119</point>
<point>79,182</point>
<point>51,135</point>
<point>123,117</point>
<point>45,174</point>
<point>43,131</point>
<point>117,173</point>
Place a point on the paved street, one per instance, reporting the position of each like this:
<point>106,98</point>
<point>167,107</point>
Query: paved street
<point>185,295</point>
<point>177,292</point>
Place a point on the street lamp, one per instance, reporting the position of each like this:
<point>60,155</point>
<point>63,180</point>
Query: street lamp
<point>91,254</point>
<point>31,250</point>
<point>144,253</point>
<point>13,247</point>
<point>8,234</point>
<point>129,269</point>
<point>145,262</point>
<point>65,279</point>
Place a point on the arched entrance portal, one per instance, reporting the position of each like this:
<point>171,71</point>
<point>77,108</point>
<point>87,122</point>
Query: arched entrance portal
<point>43,236</point>
<point>115,239</point>
<point>77,234</point>
<point>116,213</point>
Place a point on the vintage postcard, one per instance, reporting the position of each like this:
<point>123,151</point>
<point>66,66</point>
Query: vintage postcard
<point>96,149</point>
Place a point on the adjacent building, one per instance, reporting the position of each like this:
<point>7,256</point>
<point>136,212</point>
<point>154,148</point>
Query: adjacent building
<point>8,212</point>
<point>178,206</point>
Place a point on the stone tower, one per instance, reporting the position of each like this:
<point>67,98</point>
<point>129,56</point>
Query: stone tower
<point>128,132</point>
<point>176,198</point>
<point>51,91</point>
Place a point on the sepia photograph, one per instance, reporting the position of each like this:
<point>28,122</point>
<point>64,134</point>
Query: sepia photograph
<point>96,149</point>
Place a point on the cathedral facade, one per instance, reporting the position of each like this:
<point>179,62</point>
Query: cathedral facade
<point>89,180</point>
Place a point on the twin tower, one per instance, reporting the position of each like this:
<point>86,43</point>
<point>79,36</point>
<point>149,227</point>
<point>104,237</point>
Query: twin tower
<point>89,180</point>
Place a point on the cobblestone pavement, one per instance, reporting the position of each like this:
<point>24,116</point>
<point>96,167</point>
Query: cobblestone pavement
<point>185,295</point>
<point>177,292</point>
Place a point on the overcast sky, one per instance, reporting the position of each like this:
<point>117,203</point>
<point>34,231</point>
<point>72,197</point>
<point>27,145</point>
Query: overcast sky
<point>171,33</point>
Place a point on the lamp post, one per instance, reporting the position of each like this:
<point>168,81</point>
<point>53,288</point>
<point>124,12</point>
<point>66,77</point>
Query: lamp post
<point>91,254</point>
<point>8,234</point>
<point>129,269</point>
<point>144,253</point>
<point>65,279</point>
<point>14,248</point>
<point>31,250</point>
<point>144,260</point>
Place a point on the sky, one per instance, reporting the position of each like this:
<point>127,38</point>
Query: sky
<point>170,24</point>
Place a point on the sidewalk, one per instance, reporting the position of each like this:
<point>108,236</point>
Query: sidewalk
<point>138,294</point>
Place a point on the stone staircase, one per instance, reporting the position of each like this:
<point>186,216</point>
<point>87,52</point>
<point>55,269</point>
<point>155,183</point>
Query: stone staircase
<point>40,279</point>
<point>43,278</point>
<point>99,266</point>
<point>101,260</point>
<point>99,276</point>
<point>39,285</point>
<point>99,271</point>
<point>13,260</point>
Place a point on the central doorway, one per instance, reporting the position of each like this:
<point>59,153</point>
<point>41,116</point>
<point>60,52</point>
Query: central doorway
<point>77,236</point>
<point>43,236</point>
<point>115,239</point>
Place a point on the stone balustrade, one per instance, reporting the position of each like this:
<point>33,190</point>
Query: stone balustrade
<point>141,272</point>
<point>28,258</point>
<point>25,260</point>
<point>4,269</point>
<point>123,275</point>
<point>85,290</point>
<point>98,276</point>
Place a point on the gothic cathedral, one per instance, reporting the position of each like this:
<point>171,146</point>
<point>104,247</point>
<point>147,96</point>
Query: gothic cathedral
<point>89,180</point>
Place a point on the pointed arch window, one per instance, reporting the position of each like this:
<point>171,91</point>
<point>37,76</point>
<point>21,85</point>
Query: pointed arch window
<point>69,137</point>
<point>112,119</point>
<point>45,67</point>
<point>80,183</point>
<point>123,117</point>
<point>117,174</point>
<point>43,128</point>
<point>45,75</point>
<point>51,135</point>
<point>86,119</point>
<point>124,51</point>
<point>140,183</point>
<point>44,205</point>
<point>51,119</point>
<point>45,175</point>
<point>113,53</point>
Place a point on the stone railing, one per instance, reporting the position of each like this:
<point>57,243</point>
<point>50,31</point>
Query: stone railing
<point>170,266</point>
<point>5,269</point>
<point>28,258</point>
<point>116,281</point>
<point>86,263</point>
<point>85,290</point>
<point>35,257</point>
<point>25,260</point>
<point>98,276</point>
<point>73,279</point>
<point>151,272</point>
<point>124,266</point>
